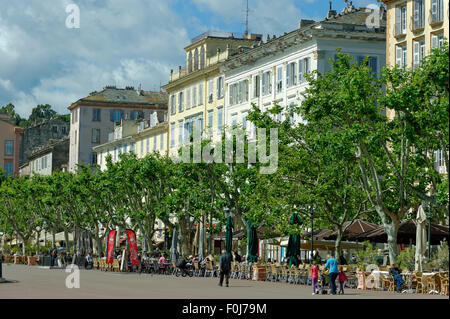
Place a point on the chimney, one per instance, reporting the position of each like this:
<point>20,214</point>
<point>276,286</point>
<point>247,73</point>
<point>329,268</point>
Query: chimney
<point>304,22</point>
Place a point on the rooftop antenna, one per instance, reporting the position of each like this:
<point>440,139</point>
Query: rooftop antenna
<point>246,20</point>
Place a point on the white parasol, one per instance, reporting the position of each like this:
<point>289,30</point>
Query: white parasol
<point>421,238</point>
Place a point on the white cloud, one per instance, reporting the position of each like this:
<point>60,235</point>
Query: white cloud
<point>119,42</point>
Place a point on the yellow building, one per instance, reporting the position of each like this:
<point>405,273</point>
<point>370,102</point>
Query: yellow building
<point>414,28</point>
<point>196,92</point>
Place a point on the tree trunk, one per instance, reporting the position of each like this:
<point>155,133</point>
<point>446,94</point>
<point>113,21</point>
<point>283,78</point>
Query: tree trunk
<point>98,241</point>
<point>23,246</point>
<point>37,242</point>
<point>201,240</point>
<point>53,238</point>
<point>66,238</point>
<point>392,231</point>
<point>173,248</point>
<point>338,244</point>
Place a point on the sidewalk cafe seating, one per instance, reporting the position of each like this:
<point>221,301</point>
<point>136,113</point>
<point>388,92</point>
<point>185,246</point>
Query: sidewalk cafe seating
<point>209,269</point>
<point>197,270</point>
<point>387,282</point>
<point>419,282</point>
<point>433,283</point>
<point>444,283</point>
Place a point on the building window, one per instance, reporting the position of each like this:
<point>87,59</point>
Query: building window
<point>116,115</point>
<point>96,135</point>
<point>219,120</point>
<point>419,14</point>
<point>195,60</point>
<point>210,119</point>
<point>437,41</point>
<point>147,146</point>
<point>372,63</point>
<point>266,86</point>
<point>93,159</point>
<point>400,20</point>
<point>154,142</point>
<point>9,148</point>
<point>172,135</point>
<point>200,94</point>
<point>180,102</point>
<point>439,161</point>
<point>161,141</point>
<point>239,92</point>
<point>219,88</point>
<point>194,96</point>
<point>419,52</point>
<point>401,56</point>
<point>96,115</point>
<point>64,130</point>
<point>437,11</point>
<point>202,58</point>
<point>256,86</point>
<point>8,169</point>
<point>188,98</point>
<point>173,108</point>
<point>244,121</point>
<point>180,132</point>
<point>304,69</point>
<point>55,129</point>
<point>280,79</point>
<point>291,76</point>
<point>210,91</point>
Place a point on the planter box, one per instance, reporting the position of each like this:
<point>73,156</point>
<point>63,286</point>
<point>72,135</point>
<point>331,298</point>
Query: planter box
<point>259,273</point>
<point>31,261</point>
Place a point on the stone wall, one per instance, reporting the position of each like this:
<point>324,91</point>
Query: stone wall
<point>40,134</point>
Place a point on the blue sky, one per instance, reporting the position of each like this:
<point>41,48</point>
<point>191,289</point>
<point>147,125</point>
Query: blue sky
<point>120,42</point>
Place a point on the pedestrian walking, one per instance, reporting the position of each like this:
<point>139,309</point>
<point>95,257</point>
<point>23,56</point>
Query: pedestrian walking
<point>332,266</point>
<point>342,279</point>
<point>314,276</point>
<point>225,267</point>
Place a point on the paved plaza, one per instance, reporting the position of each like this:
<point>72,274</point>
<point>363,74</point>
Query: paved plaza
<point>40,282</point>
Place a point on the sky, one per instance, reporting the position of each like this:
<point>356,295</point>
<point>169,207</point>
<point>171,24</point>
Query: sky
<point>122,43</point>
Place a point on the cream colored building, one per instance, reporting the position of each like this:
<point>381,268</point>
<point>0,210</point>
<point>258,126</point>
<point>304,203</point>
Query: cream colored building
<point>139,137</point>
<point>414,28</point>
<point>196,92</point>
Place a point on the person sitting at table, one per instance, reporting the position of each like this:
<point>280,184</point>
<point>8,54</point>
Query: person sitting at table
<point>396,274</point>
<point>89,261</point>
<point>162,259</point>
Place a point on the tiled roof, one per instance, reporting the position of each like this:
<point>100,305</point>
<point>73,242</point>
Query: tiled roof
<point>128,95</point>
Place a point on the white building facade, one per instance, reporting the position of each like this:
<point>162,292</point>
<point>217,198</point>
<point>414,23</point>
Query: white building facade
<point>275,71</point>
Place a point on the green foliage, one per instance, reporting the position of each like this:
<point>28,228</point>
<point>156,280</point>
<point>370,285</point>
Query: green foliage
<point>367,255</point>
<point>406,258</point>
<point>441,256</point>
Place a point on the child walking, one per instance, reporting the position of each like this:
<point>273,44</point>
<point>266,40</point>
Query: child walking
<point>314,276</point>
<point>342,279</point>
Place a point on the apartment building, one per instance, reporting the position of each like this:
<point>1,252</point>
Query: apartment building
<point>10,139</point>
<point>93,118</point>
<point>196,92</point>
<point>414,28</point>
<point>139,137</point>
<point>275,71</point>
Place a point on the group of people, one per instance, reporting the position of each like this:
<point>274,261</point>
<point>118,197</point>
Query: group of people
<point>333,271</point>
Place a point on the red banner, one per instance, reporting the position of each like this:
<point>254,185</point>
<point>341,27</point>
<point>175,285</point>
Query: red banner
<point>110,249</point>
<point>133,247</point>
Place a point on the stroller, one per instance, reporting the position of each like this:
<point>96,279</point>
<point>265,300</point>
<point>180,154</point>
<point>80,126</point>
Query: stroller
<point>323,284</point>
